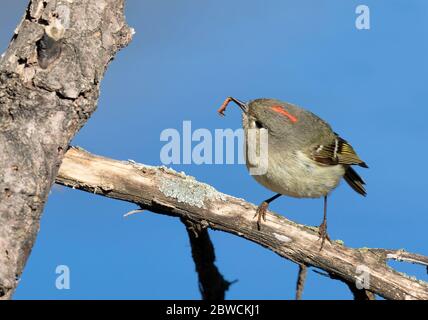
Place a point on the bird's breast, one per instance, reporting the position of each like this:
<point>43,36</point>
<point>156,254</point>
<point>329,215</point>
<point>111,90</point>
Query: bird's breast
<point>294,174</point>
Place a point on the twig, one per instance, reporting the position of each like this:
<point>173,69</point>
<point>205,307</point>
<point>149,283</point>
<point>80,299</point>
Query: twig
<point>402,255</point>
<point>301,279</point>
<point>132,212</point>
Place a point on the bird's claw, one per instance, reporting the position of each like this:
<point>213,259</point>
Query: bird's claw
<point>261,213</point>
<point>323,235</point>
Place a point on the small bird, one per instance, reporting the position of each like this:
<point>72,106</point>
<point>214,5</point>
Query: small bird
<point>306,158</point>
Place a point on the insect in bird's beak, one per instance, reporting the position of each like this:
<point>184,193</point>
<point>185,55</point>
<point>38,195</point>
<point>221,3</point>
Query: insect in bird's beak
<point>223,107</point>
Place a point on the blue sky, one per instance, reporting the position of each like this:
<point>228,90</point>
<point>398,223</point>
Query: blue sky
<point>186,57</point>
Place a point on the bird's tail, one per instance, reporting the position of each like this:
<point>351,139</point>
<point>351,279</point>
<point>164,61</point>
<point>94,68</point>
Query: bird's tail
<point>355,181</point>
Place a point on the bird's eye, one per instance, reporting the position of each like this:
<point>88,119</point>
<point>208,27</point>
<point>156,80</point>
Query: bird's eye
<point>258,124</point>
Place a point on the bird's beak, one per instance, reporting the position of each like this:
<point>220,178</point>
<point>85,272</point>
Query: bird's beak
<point>241,104</point>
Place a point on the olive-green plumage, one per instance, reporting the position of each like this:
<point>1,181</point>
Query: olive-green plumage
<point>306,157</point>
<point>301,156</point>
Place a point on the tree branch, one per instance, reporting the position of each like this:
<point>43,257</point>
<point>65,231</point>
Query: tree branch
<point>165,191</point>
<point>211,283</point>
<point>49,86</point>
<point>301,279</point>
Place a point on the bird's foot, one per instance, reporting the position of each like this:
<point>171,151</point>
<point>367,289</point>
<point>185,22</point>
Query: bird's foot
<point>261,213</point>
<point>323,235</point>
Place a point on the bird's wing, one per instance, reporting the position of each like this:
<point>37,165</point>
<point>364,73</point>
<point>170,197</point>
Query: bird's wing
<point>336,151</point>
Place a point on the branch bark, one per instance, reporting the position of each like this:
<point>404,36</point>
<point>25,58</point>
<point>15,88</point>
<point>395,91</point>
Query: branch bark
<point>49,86</point>
<point>301,279</point>
<point>165,191</point>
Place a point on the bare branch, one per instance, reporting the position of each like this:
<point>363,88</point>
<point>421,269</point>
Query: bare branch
<point>211,283</point>
<point>402,255</point>
<point>165,191</point>
<point>301,279</point>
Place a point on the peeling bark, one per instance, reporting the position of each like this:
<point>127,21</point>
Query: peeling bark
<point>49,87</point>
